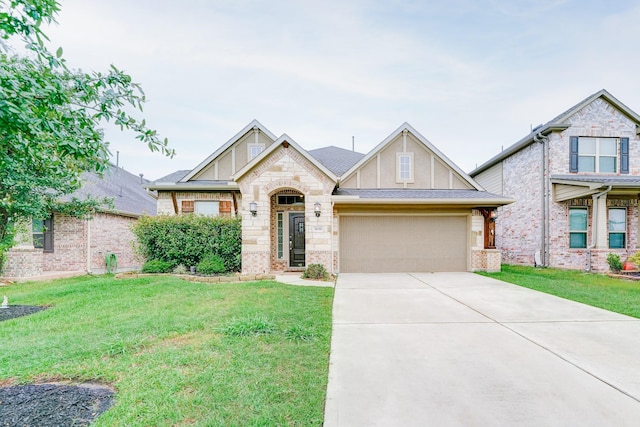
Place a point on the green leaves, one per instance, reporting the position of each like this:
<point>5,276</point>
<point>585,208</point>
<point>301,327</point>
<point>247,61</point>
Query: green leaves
<point>51,119</point>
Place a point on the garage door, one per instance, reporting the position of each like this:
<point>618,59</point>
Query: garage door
<point>377,244</point>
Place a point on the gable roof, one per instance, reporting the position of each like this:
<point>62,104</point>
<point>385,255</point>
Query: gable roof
<point>253,124</point>
<point>424,141</point>
<point>126,189</point>
<point>337,160</point>
<point>284,139</point>
<point>558,123</point>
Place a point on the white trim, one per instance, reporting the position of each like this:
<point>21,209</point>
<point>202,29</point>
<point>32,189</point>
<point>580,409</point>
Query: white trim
<point>399,178</point>
<point>229,143</point>
<point>250,148</point>
<point>424,141</point>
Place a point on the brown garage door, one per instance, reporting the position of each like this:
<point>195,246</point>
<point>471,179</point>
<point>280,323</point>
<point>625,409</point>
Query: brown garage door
<point>377,244</point>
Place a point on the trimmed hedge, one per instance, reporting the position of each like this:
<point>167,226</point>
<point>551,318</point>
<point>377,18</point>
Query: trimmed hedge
<point>187,239</point>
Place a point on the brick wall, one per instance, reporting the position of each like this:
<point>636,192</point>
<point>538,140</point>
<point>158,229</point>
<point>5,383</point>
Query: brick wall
<point>165,201</point>
<point>518,226</point>
<point>112,234</point>
<point>69,245</point>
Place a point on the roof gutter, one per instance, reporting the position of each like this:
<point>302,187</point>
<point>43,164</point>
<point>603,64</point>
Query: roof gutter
<point>191,187</point>
<point>355,200</point>
<point>524,142</point>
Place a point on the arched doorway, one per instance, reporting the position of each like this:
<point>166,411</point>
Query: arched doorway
<point>288,230</point>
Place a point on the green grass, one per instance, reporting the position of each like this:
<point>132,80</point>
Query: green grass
<point>619,295</point>
<point>178,353</point>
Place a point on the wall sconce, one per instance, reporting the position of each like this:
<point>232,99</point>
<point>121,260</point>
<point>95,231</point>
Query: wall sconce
<point>493,215</point>
<point>253,208</point>
<point>316,208</point>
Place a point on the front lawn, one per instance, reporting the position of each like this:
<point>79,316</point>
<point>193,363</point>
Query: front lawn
<point>176,352</point>
<point>621,296</point>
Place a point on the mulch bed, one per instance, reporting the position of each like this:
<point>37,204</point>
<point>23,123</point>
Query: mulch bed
<point>49,404</point>
<point>52,404</point>
<point>12,311</point>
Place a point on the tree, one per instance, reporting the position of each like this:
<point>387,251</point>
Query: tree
<point>50,121</point>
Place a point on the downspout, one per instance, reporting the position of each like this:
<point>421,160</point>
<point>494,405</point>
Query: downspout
<point>544,200</point>
<point>89,246</point>
<point>594,226</point>
<point>333,250</point>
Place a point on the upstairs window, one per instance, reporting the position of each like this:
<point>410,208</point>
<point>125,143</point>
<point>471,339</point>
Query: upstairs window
<point>599,155</point>
<point>404,167</point>
<point>254,150</point>
<point>578,227</point>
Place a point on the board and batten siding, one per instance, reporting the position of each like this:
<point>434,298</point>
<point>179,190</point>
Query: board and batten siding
<point>491,179</point>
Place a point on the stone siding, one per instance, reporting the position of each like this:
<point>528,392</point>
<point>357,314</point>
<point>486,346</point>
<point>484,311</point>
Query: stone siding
<point>284,169</point>
<point>488,260</point>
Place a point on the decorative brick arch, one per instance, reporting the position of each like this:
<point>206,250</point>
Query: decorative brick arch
<point>285,184</point>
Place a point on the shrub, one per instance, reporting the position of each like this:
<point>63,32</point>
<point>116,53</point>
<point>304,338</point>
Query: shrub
<point>211,264</point>
<point>315,272</point>
<point>157,266</point>
<point>614,262</point>
<point>180,269</point>
<point>186,239</point>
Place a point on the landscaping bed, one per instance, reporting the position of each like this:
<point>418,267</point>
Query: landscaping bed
<point>52,404</point>
<point>13,311</point>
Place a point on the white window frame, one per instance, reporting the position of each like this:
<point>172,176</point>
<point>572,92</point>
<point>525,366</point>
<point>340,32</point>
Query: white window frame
<point>207,207</point>
<point>597,155</point>
<point>400,158</point>
<point>250,152</point>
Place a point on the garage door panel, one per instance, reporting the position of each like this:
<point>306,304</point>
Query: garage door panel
<point>403,243</point>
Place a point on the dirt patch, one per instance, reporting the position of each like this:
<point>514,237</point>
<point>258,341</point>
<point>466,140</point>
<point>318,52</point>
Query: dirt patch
<point>53,404</point>
<point>12,311</point>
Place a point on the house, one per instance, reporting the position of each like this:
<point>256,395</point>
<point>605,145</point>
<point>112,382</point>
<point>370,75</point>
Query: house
<point>576,180</point>
<point>63,245</point>
<point>402,207</point>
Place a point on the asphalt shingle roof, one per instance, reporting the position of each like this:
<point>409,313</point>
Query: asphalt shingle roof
<point>126,190</point>
<point>336,159</point>
<point>173,177</point>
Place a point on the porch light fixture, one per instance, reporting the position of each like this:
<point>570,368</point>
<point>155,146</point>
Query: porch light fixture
<point>253,208</point>
<point>493,214</point>
<point>316,208</point>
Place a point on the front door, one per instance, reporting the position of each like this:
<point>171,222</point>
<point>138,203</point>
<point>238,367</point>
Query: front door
<point>296,239</point>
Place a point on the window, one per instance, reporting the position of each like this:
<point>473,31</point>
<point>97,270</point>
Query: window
<point>254,150</point>
<point>207,208</point>
<point>280,236</point>
<point>599,155</point>
<point>291,199</point>
<point>43,234</point>
<point>617,228</point>
<point>578,227</point>
<point>405,167</point>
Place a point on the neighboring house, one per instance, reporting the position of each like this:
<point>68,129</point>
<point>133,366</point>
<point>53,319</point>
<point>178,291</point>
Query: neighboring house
<point>63,244</point>
<point>576,180</point>
<point>402,207</point>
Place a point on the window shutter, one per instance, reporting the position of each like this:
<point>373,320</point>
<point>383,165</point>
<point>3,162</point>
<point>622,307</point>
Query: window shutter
<point>573,154</point>
<point>225,207</point>
<point>188,206</point>
<point>624,155</point>
<point>47,235</point>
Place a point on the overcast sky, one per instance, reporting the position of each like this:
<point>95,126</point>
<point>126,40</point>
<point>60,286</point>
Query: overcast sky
<point>470,75</point>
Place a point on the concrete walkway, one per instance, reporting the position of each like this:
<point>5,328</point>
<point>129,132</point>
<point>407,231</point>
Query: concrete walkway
<point>459,349</point>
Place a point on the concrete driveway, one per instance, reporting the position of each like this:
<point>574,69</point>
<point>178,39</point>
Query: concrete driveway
<point>459,349</point>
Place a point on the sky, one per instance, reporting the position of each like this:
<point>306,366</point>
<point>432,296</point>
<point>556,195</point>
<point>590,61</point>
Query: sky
<point>472,76</point>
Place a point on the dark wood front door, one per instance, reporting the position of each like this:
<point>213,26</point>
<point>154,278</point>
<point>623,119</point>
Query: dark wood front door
<point>296,239</point>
